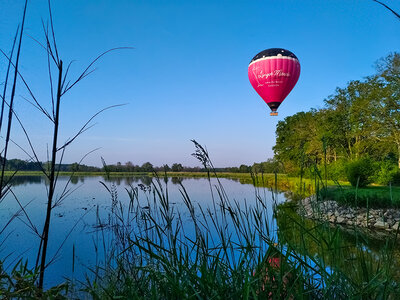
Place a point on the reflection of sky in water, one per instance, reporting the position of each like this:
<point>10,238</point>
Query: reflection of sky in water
<point>80,209</point>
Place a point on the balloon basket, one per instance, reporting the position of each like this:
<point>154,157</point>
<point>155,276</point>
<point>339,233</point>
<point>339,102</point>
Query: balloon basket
<point>273,113</point>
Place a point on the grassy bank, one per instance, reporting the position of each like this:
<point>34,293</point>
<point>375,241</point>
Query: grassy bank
<point>371,196</point>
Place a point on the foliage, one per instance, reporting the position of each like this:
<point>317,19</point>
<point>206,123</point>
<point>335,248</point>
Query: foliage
<point>361,119</point>
<point>359,172</point>
<point>337,170</point>
<point>20,283</point>
<point>372,197</point>
<point>177,167</point>
<point>386,172</point>
<point>270,166</point>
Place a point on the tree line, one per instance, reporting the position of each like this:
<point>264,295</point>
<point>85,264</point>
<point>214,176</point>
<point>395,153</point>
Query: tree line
<point>358,123</point>
<point>22,165</point>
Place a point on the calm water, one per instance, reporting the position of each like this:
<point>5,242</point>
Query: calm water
<point>75,221</point>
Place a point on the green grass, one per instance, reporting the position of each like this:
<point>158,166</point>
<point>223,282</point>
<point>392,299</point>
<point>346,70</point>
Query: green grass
<point>371,196</point>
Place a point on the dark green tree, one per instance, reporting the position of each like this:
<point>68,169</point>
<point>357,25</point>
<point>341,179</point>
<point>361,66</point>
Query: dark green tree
<point>177,167</point>
<point>147,167</point>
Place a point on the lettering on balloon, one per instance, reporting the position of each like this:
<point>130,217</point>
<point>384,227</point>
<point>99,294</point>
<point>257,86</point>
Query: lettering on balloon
<point>262,78</point>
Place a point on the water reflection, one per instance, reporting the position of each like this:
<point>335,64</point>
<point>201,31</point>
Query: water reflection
<point>24,180</point>
<point>349,250</point>
<point>117,180</point>
<point>88,203</point>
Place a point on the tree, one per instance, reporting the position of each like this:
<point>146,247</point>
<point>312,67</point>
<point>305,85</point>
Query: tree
<point>74,167</point>
<point>298,138</point>
<point>387,104</point>
<point>244,169</point>
<point>147,167</point>
<point>177,167</point>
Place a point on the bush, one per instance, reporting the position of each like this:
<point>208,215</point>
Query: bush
<point>336,170</point>
<point>360,171</point>
<point>396,177</point>
<point>385,173</point>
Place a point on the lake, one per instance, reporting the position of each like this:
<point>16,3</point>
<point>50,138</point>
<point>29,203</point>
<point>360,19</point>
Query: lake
<point>77,221</point>
<point>82,232</point>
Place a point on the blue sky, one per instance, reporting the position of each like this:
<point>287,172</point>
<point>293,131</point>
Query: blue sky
<point>187,76</point>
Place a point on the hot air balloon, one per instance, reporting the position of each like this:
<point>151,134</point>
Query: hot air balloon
<point>273,73</point>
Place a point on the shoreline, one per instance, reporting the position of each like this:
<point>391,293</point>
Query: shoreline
<point>382,219</point>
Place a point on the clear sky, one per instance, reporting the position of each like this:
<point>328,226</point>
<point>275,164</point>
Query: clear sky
<point>187,76</point>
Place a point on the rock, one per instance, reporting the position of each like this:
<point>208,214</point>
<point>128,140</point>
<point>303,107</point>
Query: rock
<point>363,224</point>
<point>340,220</point>
<point>396,225</point>
<point>381,225</point>
<point>332,219</point>
<point>349,222</point>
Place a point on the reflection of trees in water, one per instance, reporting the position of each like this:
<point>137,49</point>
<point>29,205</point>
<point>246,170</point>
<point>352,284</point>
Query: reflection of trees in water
<point>28,179</point>
<point>118,180</point>
<point>176,180</point>
<point>353,252</point>
<point>145,180</point>
<point>131,180</point>
<point>24,180</point>
<point>77,179</point>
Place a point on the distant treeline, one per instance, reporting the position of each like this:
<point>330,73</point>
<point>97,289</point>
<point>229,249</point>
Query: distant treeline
<point>357,130</point>
<point>20,165</point>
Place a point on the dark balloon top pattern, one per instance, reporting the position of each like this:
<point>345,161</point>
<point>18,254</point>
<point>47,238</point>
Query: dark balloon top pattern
<point>273,52</point>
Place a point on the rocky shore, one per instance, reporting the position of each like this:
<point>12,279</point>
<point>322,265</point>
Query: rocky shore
<point>378,219</point>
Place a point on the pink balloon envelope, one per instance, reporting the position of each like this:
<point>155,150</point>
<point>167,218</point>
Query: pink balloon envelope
<point>273,73</point>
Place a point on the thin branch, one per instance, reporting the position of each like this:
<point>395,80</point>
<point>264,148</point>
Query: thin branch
<point>27,86</point>
<point>384,5</point>
<point>6,80</point>
<point>10,114</point>
<point>41,45</point>
<point>66,74</point>
<point>39,108</point>
<point>84,73</point>
<point>31,225</point>
<point>52,32</point>
<point>51,84</point>
<point>29,142</point>
<point>66,237</point>
<point>84,127</point>
<point>48,44</point>
<point>64,192</point>
<point>16,214</point>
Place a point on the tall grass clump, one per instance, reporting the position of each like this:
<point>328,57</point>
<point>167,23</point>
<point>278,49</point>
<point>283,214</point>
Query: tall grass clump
<point>223,251</point>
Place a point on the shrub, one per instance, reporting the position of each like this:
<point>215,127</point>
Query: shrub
<point>336,170</point>
<point>360,171</point>
<point>385,173</point>
<point>395,178</point>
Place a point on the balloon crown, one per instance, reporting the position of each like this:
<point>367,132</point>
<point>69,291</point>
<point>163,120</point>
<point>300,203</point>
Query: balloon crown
<point>274,52</point>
